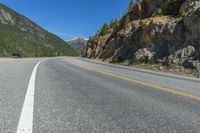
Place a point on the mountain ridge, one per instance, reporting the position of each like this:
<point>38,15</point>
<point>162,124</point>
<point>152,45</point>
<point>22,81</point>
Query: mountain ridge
<point>78,44</point>
<point>20,34</point>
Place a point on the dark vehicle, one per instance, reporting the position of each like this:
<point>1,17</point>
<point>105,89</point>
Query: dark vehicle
<point>16,55</point>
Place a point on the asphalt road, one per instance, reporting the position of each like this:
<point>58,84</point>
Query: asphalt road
<point>74,95</point>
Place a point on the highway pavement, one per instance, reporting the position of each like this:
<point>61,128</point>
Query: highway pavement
<point>75,95</point>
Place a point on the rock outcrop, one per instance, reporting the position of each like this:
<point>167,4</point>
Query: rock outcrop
<point>144,55</point>
<point>154,31</point>
<point>6,18</point>
<point>190,8</point>
<point>162,7</point>
<point>182,55</point>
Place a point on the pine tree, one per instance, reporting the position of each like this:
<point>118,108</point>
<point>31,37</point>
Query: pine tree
<point>104,30</point>
<point>131,5</point>
<point>114,24</point>
<point>127,21</point>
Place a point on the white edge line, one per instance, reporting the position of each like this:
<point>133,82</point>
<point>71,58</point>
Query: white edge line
<point>25,124</point>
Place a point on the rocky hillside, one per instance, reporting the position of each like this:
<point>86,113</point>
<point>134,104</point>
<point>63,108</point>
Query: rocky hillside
<point>78,44</point>
<point>18,34</point>
<point>152,31</point>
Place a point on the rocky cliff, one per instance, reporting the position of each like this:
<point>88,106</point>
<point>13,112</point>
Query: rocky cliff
<point>153,31</point>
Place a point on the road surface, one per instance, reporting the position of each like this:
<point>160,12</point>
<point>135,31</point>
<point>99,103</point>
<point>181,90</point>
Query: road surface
<point>74,95</point>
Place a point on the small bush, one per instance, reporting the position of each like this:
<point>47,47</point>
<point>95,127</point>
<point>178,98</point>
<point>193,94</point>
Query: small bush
<point>198,12</point>
<point>174,7</point>
<point>108,28</point>
<point>159,12</point>
<point>125,62</point>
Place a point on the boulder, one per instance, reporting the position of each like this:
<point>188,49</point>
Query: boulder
<point>144,55</point>
<point>190,8</point>
<point>192,64</point>
<point>181,55</point>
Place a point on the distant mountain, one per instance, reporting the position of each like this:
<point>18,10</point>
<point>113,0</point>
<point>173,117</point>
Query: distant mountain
<point>78,44</point>
<point>18,34</point>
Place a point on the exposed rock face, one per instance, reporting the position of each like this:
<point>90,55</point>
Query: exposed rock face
<point>6,17</point>
<point>182,55</point>
<point>167,7</point>
<point>154,34</point>
<point>190,7</point>
<point>148,37</point>
<point>95,46</point>
<point>192,64</point>
<point>192,33</point>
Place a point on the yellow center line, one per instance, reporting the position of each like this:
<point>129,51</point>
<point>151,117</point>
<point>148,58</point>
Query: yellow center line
<point>180,93</point>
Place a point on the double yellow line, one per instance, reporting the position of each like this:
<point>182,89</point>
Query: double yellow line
<point>180,93</point>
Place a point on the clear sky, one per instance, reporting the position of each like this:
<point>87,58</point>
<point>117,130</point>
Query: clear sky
<point>70,18</point>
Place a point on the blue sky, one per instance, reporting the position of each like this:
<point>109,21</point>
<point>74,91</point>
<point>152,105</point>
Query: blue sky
<point>70,18</point>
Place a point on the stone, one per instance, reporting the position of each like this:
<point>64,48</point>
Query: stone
<point>181,55</point>
<point>192,64</point>
<point>143,55</point>
<point>190,7</point>
<point>6,18</point>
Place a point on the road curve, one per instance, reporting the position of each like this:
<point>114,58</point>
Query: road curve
<point>76,95</point>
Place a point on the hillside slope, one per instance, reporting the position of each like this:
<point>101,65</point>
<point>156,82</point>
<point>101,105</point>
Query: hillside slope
<point>154,32</point>
<point>21,35</point>
<point>78,44</point>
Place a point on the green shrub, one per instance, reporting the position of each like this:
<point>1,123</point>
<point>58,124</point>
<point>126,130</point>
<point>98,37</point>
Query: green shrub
<point>105,29</point>
<point>108,28</point>
<point>159,12</point>
<point>174,7</point>
<point>198,12</point>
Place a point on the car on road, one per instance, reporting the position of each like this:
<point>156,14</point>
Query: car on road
<point>16,55</point>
